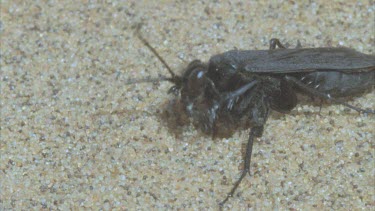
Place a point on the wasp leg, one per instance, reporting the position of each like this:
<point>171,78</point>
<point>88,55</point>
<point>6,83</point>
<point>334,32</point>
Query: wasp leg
<point>314,92</point>
<point>255,132</point>
<point>230,97</point>
<point>275,42</point>
<point>298,44</point>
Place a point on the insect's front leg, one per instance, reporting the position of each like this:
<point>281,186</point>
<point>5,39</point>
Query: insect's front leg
<point>255,132</point>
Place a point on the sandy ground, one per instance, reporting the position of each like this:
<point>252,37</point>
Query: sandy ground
<point>75,136</point>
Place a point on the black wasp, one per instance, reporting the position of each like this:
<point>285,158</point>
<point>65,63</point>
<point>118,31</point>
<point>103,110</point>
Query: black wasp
<point>243,86</point>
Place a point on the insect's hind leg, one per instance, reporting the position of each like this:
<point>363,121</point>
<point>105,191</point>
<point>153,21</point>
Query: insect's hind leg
<point>316,93</point>
<point>275,42</point>
<point>298,44</point>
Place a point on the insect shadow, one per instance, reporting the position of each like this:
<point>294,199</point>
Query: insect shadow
<point>239,88</point>
<point>173,117</point>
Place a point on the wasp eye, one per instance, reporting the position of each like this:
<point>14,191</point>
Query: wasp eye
<point>200,74</point>
<point>196,80</point>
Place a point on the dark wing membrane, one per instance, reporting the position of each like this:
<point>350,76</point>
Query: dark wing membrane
<point>305,59</point>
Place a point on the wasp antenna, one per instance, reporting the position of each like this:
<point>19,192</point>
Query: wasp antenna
<point>147,80</point>
<point>147,44</point>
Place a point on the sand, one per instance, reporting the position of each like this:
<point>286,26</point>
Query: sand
<point>75,136</point>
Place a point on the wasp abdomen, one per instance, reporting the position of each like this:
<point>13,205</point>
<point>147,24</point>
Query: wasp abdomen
<point>339,84</point>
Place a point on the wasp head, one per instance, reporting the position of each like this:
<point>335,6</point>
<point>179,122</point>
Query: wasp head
<point>197,92</point>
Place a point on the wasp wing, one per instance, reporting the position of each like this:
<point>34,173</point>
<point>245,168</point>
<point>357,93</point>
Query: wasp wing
<point>297,60</point>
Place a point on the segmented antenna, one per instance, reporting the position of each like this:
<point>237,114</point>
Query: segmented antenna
<point>147,80</point>
<point>174,78</point>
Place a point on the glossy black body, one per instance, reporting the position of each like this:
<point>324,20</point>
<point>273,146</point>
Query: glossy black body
<point>332,72</point>
<point>241,87</point>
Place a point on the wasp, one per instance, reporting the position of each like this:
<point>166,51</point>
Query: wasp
<point>244,86</point>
